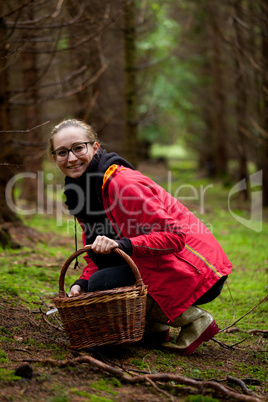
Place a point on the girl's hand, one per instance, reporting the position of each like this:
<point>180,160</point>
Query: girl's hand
<point>76,290</point>
<point>103,245</point>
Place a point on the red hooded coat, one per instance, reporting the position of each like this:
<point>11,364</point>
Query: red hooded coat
<point>178,257</point>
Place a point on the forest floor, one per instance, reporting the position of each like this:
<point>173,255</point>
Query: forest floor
<point>37,363</point>
<point>29,338</point>
<point>28,335</point>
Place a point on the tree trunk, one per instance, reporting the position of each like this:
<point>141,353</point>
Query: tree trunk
<point>264,30</point>
<point>130,81</point>
<point>32,153</point>
<point>254,98</point>
<point>7,154</point>
<point>241,97</point>
<point>80,56</point>
<point>8,158</point>
<point>219,104</point>
<point>207,153</point>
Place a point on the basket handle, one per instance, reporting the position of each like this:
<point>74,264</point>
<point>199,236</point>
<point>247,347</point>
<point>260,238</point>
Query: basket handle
<point>127,258</point>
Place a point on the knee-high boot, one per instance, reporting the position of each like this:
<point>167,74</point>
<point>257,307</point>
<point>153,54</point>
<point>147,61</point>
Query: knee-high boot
<point>197,326</point>
<point>155,330</point>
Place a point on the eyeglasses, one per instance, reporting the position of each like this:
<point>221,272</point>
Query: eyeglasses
<point>77,149</point>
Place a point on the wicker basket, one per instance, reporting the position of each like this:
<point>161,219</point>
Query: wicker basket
<point>107,317</point>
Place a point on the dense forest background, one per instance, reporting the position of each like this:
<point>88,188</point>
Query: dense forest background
<point>188,73</point>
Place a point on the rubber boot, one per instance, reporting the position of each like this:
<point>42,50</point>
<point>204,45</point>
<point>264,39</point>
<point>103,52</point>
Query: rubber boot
<point>155,331</point>
<point>197,326</point>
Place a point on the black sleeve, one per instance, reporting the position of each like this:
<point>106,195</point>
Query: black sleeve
<point>82,282</point>
<point>125,245</point>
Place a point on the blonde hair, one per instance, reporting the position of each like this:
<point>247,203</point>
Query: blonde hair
<point>89,130</point>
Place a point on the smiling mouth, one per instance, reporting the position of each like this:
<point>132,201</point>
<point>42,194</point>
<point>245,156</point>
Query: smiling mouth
<point>75,167</point>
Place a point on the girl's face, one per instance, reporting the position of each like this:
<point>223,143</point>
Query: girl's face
<point>74,166</point>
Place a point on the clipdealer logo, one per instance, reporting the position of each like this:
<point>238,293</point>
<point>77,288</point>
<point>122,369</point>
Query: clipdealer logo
<point>45,204</point>
<point>254,222</point>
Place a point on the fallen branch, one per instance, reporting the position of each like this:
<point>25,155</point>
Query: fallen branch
<point>106,360</point>
<point>250,331</point>
<point>241,384</point>
<point>201,386</point>
<point>22,350</point>
<point>258,331</point>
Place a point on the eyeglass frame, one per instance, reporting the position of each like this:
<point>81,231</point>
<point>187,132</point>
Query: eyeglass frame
<point>71,150</point>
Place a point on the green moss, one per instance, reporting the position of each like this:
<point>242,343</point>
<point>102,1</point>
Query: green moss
<point>95,398</point>
<point>3,356</point>
<point>85,394</point>
<point>7,289</point>
<point>200,398</point>
<point>103,384</point>
<point>59,398</point>
<point>8,375</point>
<point>89,396</point>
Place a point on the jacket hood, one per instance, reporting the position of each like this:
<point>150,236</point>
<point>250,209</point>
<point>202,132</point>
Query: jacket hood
<point>87,189</point>
<point>106,160</point>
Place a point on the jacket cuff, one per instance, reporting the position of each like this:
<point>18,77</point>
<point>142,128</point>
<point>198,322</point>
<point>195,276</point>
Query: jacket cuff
<point>125,245</point>
<point>81,282</point>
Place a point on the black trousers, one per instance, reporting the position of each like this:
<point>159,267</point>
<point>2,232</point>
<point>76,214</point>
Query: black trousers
<point>122,275</point>
<point>212,293</point>
<point>111,277</point>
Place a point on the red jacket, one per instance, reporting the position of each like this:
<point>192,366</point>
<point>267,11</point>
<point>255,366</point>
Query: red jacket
<point>178,257</point>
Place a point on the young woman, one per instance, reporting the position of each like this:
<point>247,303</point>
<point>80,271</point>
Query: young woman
<point>179,259</point>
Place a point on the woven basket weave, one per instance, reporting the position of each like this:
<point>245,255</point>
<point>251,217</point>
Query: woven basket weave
<point>107,317</point>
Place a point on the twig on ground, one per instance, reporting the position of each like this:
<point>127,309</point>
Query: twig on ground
<point>49,323</point>
<point>160,390</point>
<point>139,379</point>
<point>234,329</point>
<point>55,317</point>
<point>28,318</point>
<point>241,384</point>
<point>253,308</point>
<point>43,302</point>
<point>238,343</point>
<point>106,360</point>
<point>250,331</point>
<point>258,331</point>
<point>22,350</point>
<point>232,347</point>
<point>224,345</point>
